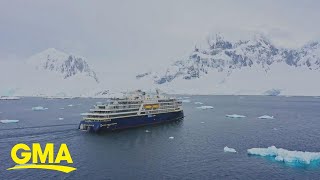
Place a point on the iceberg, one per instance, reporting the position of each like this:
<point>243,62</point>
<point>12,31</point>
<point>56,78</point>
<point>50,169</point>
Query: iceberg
<point>202,122</point>
<point>61,108</point>
<point>266,117</point>
<point>60,118</point>
<point>147,131</point>
<point>39,108</point>
<point>235,116</point>
<point>186,101</point>
<point>198,103</point>
<point>171,137</point>
<point>227,149</point>
<point>205,107</point>
<point>286,156</point>
<point>5,121</point>
<point>70,105</point>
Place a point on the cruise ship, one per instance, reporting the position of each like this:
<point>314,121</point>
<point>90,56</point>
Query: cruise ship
<point>133,110</point>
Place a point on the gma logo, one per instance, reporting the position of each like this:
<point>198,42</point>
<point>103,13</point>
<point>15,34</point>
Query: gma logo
<point>41,159</point>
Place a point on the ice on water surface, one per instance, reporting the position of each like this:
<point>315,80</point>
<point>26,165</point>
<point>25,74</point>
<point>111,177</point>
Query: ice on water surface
<point>198,103</point>
<point>235,116</point>
<point>266,117</point>
<point>5,121</point>
<point>186,101</point>
<point>227,149</point>
<point>39,108</point>
<point>171,137</point>
<point>205,107</point>
<point>61,118</point>
<point>286,156</point>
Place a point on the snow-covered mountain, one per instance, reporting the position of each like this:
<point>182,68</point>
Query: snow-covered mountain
<point>67,65</point>
<point>253,66</point>
<point>49,73</point>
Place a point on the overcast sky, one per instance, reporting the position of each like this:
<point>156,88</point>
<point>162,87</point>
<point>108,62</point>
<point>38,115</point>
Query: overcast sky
<point>145,32</point>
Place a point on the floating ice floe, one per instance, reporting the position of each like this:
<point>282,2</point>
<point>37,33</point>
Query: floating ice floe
<point>171,137</point>
<point>5,121</point>
<point>275,129</point>
<point>227,149</point>
<point>186,101</point>
<point>61,118</point>
<point>147,131</point>
<point>61,108</point>
<point>266,117</point>
<point>39,108</point>
<point>9,98</point>
<point>70,105</point>
<point>202,122</point>
<point>198,103</point>
<point>286,156</point>
<point>235,116</point>
<point>205,107</point>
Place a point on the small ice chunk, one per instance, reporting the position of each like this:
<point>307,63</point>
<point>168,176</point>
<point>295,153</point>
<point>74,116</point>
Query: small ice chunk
<point>171,137</point>
<point>205,107</point>
<point>70,105</point>
<point>147,131</point>
<point>61,108</point>
<point>266,117</point>
<point>186,101</point>
<point>5,121</point>
<point>202,122</point>
<point>39,108</point>
<point>275,129</point>
<point>235,116</point>
<point>286,156</point>
<point>227,149</point>
<point>60,118</point>
<point>198,103</point>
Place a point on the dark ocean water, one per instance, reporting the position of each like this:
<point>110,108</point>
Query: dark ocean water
<point>196,152</point>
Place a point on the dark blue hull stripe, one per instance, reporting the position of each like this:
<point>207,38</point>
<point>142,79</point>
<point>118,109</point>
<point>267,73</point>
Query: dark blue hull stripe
<point>134,121</point>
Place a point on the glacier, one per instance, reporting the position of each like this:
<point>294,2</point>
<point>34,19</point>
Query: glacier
<point>227,149</point>
<point>286,156</point>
